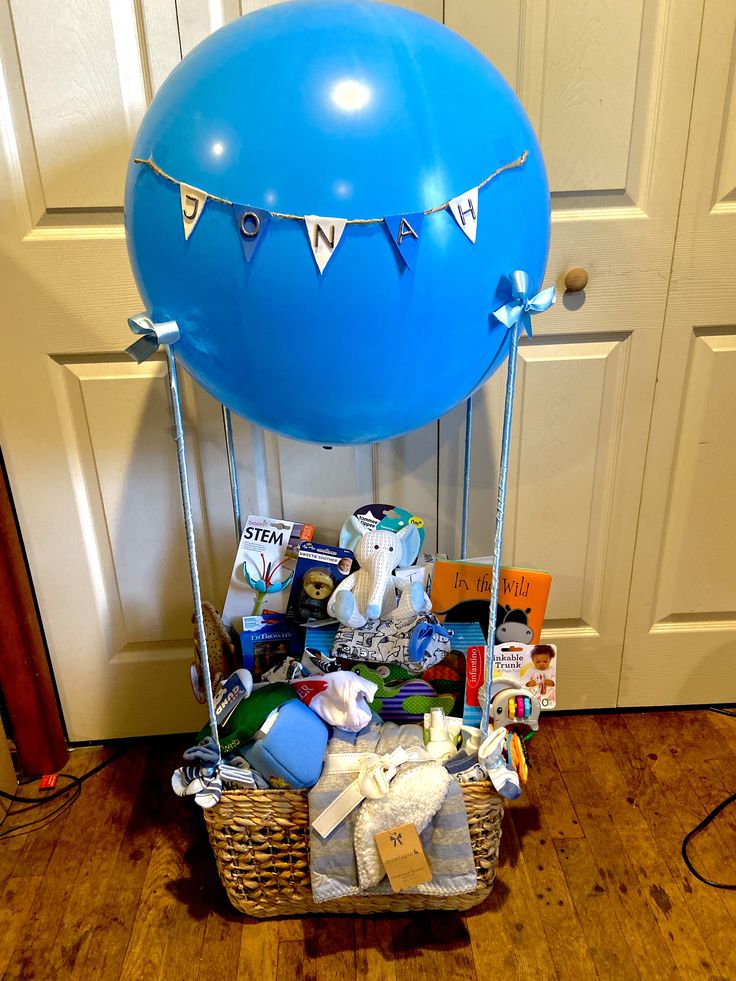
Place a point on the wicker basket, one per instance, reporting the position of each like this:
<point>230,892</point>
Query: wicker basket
<point>261,843</point>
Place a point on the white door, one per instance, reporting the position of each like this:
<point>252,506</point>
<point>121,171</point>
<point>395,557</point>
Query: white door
<point>608,87</point>
<point>681,632</point>
<point>85,432</point>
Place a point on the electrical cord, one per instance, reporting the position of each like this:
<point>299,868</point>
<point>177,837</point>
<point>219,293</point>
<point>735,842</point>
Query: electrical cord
<point>704,824</point>
<point>73,789</point>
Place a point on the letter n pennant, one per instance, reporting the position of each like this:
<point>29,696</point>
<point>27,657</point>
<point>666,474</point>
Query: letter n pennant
<point>405,231</point>
<point>324,235</point>
<point>251,223</point>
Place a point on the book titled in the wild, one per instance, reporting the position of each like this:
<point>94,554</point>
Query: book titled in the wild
<point>461,593</point>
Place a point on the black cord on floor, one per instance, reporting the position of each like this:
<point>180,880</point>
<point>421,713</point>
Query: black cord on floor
<point>704,824</point>
<point>75,787</point>
<point>722,711</point>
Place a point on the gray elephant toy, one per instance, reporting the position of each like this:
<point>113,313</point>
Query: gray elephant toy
<point>374,592</point>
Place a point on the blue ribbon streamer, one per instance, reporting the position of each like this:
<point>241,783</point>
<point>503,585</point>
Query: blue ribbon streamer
<point>516,316</point>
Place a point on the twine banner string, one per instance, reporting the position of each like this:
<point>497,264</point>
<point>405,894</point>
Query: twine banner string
<point>150,162</point>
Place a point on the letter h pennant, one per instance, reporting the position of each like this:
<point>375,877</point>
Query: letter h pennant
<point>464,209</point>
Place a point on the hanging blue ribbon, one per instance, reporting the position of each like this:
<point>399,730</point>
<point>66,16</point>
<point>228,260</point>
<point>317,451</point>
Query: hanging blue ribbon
<point>519,310</point>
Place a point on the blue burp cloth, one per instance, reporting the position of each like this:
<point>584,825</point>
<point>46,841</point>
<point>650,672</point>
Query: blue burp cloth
<point>293,749</point>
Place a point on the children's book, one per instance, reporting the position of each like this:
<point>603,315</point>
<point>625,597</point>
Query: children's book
<point>264,567</point>
<point>461,591</point>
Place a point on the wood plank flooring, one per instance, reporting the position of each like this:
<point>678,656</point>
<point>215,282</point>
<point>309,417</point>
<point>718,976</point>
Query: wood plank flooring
<point>591,882</point>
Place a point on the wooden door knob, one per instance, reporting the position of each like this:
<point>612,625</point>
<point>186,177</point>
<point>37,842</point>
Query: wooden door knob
<point>576,280</point>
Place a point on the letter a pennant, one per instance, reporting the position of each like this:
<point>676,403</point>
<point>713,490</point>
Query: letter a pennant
<point>464,209</point>
<point>192,205</point>
<point>324,235</point>
<point>405,231</point>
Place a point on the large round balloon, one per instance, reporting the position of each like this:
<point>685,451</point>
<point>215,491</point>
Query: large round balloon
<point>344,109</point>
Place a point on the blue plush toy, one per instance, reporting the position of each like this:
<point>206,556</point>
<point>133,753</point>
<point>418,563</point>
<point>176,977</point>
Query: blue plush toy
<point>292,748</point>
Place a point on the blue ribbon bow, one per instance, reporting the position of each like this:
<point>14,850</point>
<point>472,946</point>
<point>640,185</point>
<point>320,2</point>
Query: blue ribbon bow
<point>152,336</point>
<point>519,310</point>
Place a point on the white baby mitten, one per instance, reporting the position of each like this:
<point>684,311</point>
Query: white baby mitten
<point>340,698</point>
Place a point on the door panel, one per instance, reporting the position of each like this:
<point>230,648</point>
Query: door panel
<point>90,454</point>
<point>85,433</point>
<point>681,630</point>
<point>608,88</point>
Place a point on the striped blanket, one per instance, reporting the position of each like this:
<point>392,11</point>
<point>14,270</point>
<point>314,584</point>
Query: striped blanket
<point>446,839</point>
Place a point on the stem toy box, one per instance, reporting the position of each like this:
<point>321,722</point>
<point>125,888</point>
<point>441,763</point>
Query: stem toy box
<point>264,567</point>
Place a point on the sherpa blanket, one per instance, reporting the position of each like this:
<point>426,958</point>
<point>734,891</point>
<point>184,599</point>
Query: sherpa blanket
<point>346,862</point>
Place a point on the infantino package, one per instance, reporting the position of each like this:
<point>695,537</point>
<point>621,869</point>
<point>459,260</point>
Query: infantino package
<point>264,567</point>
<point>534,666</point>
<point>319,568</point>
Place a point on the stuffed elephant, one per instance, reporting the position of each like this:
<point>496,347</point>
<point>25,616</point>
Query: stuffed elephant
<point>371,593</point>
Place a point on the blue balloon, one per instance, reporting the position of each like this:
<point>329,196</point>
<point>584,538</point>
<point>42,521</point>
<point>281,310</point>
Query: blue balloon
<point>340,108</point>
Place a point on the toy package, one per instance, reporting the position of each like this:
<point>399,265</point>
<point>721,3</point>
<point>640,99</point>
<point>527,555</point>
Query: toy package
<point>379,516</point>
<point>460,591</point>
<point>529,666</point>
<point>319,568</point>
<point>534,666</point>
<point>402,695</point>
<point>264,567</point>
<point>267,641</point>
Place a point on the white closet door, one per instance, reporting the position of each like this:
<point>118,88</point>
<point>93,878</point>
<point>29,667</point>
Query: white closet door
<point>86,434</point>
<point>681,632</point>
<point>609,88</point>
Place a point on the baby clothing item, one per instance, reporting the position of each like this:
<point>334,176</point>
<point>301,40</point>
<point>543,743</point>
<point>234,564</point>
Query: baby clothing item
<point>417,642</point>
<point>445,839</point>
<point>291,751</point>
<point>204,785</point>
<point>340,698</point>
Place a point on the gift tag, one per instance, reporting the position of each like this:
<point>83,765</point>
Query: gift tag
<point>403,857</point>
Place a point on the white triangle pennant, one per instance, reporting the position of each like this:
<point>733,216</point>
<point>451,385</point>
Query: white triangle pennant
<point>464,209</point>
<point>192,205</point>
<point>324,236</point>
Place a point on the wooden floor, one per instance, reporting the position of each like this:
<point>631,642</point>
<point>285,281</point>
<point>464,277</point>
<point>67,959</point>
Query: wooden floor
<point>591,883</point>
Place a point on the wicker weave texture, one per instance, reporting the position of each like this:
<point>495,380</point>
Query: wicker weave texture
<point>261,843</point>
